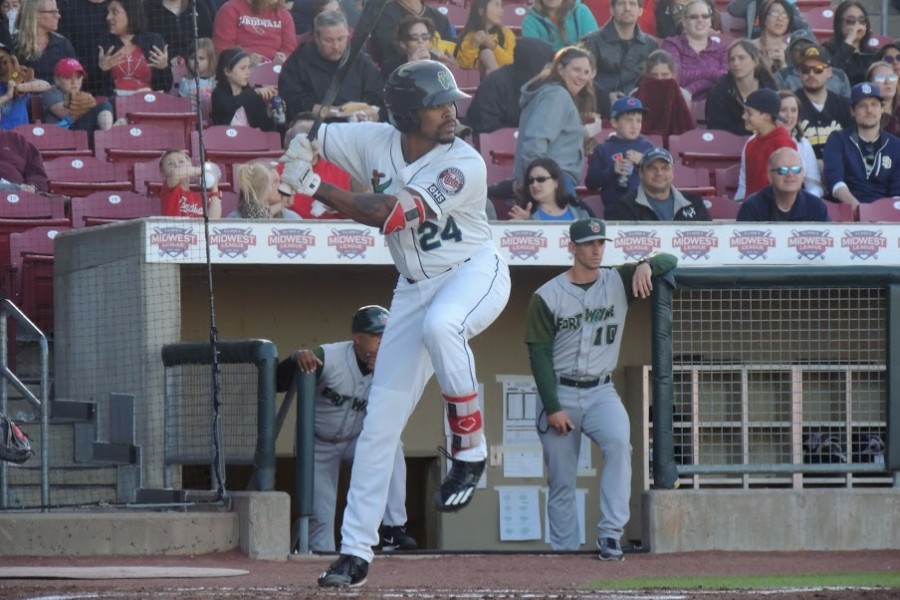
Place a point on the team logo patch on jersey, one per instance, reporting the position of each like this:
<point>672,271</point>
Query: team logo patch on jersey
<point>173,241</point>
<point>863,243</point>
<point>695,243</point>
<point>810,243</point>
<point>523,243</point>
<point>451,180</point>
<point>232,241</point>
<point>637,243</point>
<point>886,162</point>
<point>351,243</point>
<point>752,243</point>
<point>291,242</point>
<point>437,194</point>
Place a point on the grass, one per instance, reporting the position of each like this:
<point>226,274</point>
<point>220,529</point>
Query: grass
<point>745,582</point>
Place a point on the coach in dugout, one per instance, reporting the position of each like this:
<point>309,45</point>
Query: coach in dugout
<point>307,73</point>
<point>784,199</point>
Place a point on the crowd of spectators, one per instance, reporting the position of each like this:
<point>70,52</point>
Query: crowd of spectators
<point>583,82</point>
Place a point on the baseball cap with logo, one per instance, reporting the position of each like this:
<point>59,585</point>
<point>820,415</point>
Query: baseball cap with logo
<point>861,91</point>
<point>68,67</point>
<point>815,53</point>
<point>627,104</point>
<point>587,230</point>
<point>656,154</point>
<point>802,35</point>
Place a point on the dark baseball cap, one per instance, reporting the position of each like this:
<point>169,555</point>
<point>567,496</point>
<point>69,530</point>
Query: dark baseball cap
<point>815,53</point>
<point>627,104</point>
<point>802,35</point>
<point>656,154</point>
<point>587,230</point>
<point>765,101</point>
<point>861,91</point>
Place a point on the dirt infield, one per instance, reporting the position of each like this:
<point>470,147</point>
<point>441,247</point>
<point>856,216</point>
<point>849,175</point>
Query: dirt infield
<point>487,577</point>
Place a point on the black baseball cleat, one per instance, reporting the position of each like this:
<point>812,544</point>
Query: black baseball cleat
<point>395,537</point>
<point>347,571</point>
<point>459,485</point>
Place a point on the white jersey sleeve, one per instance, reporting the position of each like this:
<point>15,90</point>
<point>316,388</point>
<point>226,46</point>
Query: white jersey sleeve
<point>451,179</point>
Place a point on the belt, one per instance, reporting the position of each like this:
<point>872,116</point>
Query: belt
<point>411,281</point>
<point>583,383</point>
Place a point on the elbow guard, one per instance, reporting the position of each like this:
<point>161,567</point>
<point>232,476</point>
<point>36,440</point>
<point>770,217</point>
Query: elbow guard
<point>408,211</point>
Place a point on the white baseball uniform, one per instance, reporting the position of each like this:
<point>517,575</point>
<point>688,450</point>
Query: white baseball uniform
<point>585,325</point>
<point>342,392</point>
<point>453,284</point>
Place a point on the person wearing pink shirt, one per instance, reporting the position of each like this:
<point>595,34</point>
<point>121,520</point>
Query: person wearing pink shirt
<point>263,28</point>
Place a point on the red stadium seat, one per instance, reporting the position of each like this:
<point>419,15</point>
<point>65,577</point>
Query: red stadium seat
<point>502,206</point>
<point>821,21</point>
<point>11,226</point>
<point>883,210</point>
<point>733,26</point>
<point>83,176</point>
<point>265,74</point>
<point>467,80</point>
<point>595,204</point>
<point>109,207</point>
<point>135,143</point>
<point>839,212</point>
<point>165,111</point>
<point>514,15</point>
<point>727,181</point>
<point>53,141</point>
<point>227,144</point>
<point>229,203</point>
<point>707,148</point>
<point>694,181</point>
<point>498,149</point>
<point>31,259</point>
<point>722,209</point>
<point>26,205</point>
<point>457,14</point>
<point>148,180</point>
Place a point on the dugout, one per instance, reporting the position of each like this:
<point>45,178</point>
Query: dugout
<point>124,290</point>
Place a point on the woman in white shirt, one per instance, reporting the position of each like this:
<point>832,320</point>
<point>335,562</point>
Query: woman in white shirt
<point>790,112</point>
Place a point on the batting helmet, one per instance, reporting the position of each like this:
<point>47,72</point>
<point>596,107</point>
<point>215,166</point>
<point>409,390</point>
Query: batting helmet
<point>369,319</point>
<point>415,85</point>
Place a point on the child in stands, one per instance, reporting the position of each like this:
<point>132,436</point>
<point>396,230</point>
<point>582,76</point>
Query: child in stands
<point>68,106</point>
<point>485,43</point>
<point>201,74</point>
<point>234,102</point>
<point>762,117</point>
<point>177,199</point>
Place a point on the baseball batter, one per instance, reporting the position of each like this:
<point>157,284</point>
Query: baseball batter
<point>429,201</point>
<point>343,378</point>
<point>574,331</point>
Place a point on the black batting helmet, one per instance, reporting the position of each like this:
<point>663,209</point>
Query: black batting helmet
<point>369,319</point>
<point>416,85</point>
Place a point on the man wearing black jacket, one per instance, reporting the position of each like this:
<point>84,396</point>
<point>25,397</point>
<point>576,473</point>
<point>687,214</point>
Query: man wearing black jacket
<point>656,199</point>
<point>308,71</point>
<point>495,104</point>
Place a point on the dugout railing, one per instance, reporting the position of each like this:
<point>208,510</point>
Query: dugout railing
<point>775,377</point>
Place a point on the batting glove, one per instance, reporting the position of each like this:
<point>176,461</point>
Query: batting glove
<point>298,178</point>
<point>301,149</point>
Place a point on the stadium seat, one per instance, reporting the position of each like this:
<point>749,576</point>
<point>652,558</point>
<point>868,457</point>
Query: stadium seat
<point>821,21</point>
<point>707,148</point>
<point>135,143</point>
<point>165,111</point>
<point>733,26</point>
<point>31,260</point>
<point>53,141</point>
<point>109,207</point>
<point>595,204</point>
<point>457,14</point>
<point>839,212</point>
<point>727,180</point>
<point>229,203</point>
<point>698,111</point>
<point>694,181</point>
<point>502,206</point>
<point>498,149</point>
<point>11,226</point>
<point>467,80</point>
<point>227,145</point>
<point>83,176</point>
<point>148,180</point>
<point>26,205</point>
<point>722,209</point>
<point>514,15</point>
<point>265,74</point>
<point>877,41</point>
<point>883,210</point>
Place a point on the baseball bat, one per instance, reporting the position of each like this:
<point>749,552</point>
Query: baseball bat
<point>366,24</point>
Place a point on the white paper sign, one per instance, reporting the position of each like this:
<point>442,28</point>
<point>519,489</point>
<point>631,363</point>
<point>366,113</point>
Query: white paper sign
<point>519,513</point>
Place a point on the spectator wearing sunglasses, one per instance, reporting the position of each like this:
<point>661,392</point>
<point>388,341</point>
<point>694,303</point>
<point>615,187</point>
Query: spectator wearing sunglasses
<point>544,196</point>
<point>784,199</point>
<point>890,54</point>
<point>822,111</point>
<point>850,47</point>
<point>789,78</point>
<point>883,75</point>
<point>862,163</point>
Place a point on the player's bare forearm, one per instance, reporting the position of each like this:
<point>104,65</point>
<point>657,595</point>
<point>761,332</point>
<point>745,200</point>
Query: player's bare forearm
<point>368,209</point>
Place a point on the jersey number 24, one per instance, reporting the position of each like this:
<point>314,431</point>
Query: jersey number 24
<point>429,232</point>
